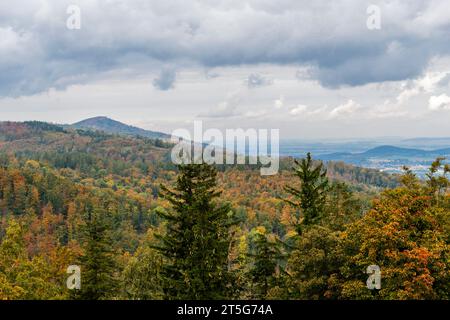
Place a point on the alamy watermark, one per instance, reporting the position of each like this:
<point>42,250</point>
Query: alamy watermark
<point>374,279</point>
<point>73,22</point>
<point>374,19</point>
<point>74,280</point>
<point>237,146</point>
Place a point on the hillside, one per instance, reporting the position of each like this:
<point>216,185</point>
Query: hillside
<point>115,127</point>
<point>85,150</point>
<point>40,137</point>
<point>53,179</point>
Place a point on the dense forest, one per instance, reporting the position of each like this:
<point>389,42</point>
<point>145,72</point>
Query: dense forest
<point>140,227</point>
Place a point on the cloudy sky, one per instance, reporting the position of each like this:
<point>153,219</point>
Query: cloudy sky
<point>313,69</point>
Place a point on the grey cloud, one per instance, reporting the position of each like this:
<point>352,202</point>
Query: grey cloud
<point>256,80</point>
<point>393,62</point>
<point>211,74</point>
<point>165,80</point>
<point>445,81</point>
<point>38,51</point>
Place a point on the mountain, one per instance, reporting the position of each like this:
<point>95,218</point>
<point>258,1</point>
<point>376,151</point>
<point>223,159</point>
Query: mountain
<point>64,146</point>
<point>427,140</point>
<point>386,152</point>
<point>108,125</point>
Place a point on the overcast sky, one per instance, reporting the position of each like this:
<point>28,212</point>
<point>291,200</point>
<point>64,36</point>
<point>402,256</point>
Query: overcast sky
<point>312,69</point>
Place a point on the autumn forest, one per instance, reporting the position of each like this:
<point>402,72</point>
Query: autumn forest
<point>140,227</point>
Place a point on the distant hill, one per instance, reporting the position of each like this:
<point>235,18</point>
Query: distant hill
<point>386,152</point>
<point>88,151</point>
<point>427,139</point>
<point>108,125</point>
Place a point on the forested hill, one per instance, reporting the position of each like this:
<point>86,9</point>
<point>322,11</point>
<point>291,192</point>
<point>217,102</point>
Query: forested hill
<point>92,152</point>
<point>108,125</point>
<point>71,196</point>
<point>77,148</point>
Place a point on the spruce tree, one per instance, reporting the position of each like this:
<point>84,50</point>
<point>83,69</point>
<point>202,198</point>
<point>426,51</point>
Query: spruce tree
<point>97,262</point>
<point>197,239</point>
<point>310,198</point>
<point>263,273</point>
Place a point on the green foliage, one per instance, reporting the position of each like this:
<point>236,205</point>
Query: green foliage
<point>438,184</point>
<point>310,197</point>
<point>314,264</point>
<point>23,276</point>
<point>98,279</point>
<point>141,278</point>
<point>197,239</point>
<point>265,269</point>
<point>342,207</point>
<point>43,126</point>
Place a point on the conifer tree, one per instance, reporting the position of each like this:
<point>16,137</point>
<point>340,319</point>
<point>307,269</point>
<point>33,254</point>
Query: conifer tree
<point>197,240</point>
<point>311,196</point>
<point>263,274</point>
<point>97,262</point>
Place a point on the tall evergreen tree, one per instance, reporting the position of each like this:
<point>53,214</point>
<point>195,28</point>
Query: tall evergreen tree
<point>263,273</point>
<point>197,240</point>
<point>97,262</point>
<point>310,198</point>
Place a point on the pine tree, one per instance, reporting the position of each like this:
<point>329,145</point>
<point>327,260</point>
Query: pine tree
<point>97,262</point>
<point>310,198</point>
<point>197,240</point>
<point>263,274</point>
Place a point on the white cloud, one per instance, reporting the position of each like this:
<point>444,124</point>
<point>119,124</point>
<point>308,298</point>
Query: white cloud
<point>441,102</point>
<point>387,110</point>
<point>279,103</point>
<point>410,91</point>
<point>298,110</point>
<point>345,110</point>
<point>407,94</point>
<point>255,114</point>
<point>425,84</point>
<point>225,109</point>
<point>431,80</point>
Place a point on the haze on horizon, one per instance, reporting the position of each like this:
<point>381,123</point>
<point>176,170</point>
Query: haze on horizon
<point>314,71</point>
